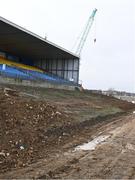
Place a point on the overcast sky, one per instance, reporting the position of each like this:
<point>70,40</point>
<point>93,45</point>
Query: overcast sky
<point>110,62</point>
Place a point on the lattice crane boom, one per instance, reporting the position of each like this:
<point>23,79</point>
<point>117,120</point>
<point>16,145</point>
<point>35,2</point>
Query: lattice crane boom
<point>86,32</point>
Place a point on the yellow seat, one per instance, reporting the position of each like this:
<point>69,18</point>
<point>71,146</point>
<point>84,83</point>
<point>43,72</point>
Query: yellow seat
<point>14,64</point>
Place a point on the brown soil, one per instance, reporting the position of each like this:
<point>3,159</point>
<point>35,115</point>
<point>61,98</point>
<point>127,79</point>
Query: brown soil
<point>24,129</point>
<point>32,129</point>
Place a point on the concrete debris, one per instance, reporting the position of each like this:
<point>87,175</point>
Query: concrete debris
<point>22,147</point>
<point>2,154</point>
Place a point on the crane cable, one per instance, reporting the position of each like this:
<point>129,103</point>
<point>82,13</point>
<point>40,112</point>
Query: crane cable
<point>95,32</point>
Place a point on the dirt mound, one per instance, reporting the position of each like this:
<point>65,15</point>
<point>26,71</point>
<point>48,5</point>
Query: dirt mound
<point>35,123</point>
<point>23,126</point>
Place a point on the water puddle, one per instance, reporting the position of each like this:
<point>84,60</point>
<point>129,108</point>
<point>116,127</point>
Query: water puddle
<point>92,144</point>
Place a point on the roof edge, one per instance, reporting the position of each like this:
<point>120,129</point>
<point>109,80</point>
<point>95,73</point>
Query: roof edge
<point>37,36</point>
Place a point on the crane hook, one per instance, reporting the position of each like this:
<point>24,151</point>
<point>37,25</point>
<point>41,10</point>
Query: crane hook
<point>95,40</point>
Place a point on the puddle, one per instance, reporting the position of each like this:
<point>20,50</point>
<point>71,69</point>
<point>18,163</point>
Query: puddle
<point>92,144</point>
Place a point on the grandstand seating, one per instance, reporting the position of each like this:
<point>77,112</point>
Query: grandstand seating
<point>14,73</point>
<point>9,69</point>
<point>19,65</point>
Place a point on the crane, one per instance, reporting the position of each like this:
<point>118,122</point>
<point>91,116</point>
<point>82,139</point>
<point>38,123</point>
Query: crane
<point>86,32</point>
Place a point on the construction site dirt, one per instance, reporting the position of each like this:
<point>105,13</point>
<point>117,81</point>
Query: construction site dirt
<point>40,130</point>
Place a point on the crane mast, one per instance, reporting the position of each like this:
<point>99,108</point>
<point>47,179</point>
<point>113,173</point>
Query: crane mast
<point>86,32</point>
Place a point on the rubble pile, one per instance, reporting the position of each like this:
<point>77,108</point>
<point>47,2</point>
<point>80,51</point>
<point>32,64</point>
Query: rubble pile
<point>24,125</point>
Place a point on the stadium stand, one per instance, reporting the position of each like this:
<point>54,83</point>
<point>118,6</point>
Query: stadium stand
<point>26,55</point>
<point>24,72</point>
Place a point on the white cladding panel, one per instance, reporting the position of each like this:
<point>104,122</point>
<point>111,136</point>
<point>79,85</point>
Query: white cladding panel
<point>64,68</point>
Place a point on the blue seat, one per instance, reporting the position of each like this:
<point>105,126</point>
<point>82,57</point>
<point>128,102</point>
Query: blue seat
<point>24,74</point>
<point>14,73</point>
